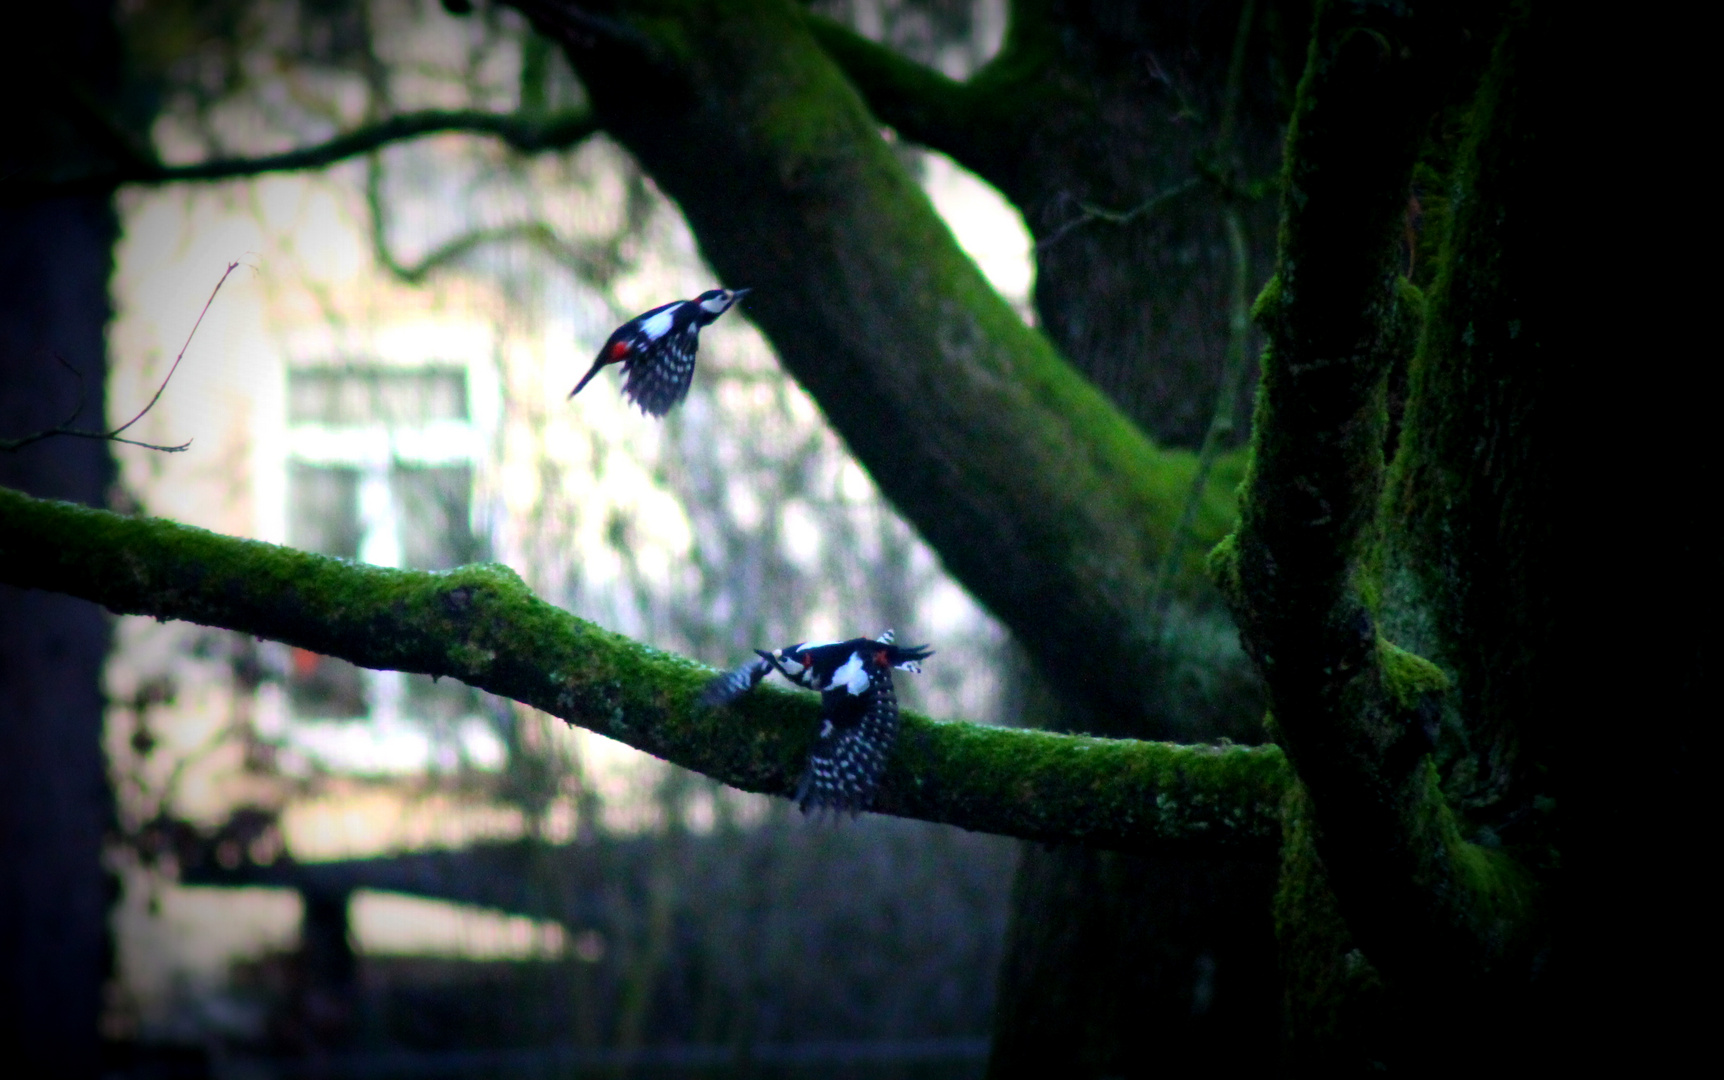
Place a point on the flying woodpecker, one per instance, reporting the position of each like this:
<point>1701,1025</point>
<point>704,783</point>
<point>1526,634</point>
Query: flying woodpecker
<point>657,349</point>
<point>858,711</point>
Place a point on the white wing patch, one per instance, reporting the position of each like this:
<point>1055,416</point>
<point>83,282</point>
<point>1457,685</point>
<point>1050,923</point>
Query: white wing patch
<point>853,676</point>
<point>657,326</point>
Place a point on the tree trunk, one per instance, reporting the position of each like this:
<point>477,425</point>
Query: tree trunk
<point>55,806</point>
<point>54,799</point>
<point>1125,135</point>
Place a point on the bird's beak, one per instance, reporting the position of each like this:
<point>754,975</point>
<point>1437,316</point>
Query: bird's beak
<point>738,294</point>
<point>764,655</point>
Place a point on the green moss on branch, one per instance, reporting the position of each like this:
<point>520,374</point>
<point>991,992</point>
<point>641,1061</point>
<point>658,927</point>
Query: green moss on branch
<point>483,626</point>
<point>922,104</point>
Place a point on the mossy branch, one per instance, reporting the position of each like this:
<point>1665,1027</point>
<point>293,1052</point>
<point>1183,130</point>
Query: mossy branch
<point>1430,908</point>
<point>481,625</point>
<point>986,123</point>
<point>525,133</point>
<point>920,103</point>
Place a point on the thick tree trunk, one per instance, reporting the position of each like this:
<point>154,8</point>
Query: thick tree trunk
<point>1420,862</point>
<point>1126,135</point>
<point>55,805</point>
<point>54,800</point>
<point>1121,132</point>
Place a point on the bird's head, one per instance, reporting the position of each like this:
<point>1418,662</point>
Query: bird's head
<point>792,660</point>
<point>716,302</point>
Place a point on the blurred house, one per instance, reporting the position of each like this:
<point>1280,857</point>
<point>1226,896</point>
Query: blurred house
<point>573,897</point>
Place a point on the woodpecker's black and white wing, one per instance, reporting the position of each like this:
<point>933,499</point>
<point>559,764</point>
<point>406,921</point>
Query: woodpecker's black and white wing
<point>858,726</point>
<point>659,372</point>
<point>733,684</point>
<point>657,349</point>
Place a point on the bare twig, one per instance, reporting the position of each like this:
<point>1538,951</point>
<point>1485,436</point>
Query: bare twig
<point>65,428</point>
<point>1221,421</point>
<point>1092,212</point>
<point>1220,173</point>
<point>231,267</point>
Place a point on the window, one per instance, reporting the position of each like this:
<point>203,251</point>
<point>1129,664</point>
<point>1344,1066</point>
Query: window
<point>381,470</point>
<point>373,395</point>
<point>433,506</point>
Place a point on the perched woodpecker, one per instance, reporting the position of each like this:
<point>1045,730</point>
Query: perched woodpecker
<point>858,711</point>
<point>657,349</point>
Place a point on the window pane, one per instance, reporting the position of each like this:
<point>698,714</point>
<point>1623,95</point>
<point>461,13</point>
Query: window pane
<point>323,509</point>
<point>372,395</point>
<point>432,506</point>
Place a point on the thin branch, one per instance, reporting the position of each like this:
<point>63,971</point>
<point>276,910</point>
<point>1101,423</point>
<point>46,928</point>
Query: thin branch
<point>231,267</point>
<point>1224,136</point>
<point>1238,326</point>
<point>481,624</point>
<point>1221,420</point>
<point>536,233</point>
<point>65,428</point>
<point>526,134</point>
<point>1092,212</point>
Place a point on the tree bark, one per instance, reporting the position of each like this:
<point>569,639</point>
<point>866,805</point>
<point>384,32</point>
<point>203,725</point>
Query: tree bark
<point>54,800</point>
<point>1130,137</point>
<point>1118,133</point>
<point>1403,824</point>
<point>55,806</point>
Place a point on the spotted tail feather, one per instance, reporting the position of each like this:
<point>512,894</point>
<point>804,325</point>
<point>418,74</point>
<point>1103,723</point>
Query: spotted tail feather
<point>851,748</point>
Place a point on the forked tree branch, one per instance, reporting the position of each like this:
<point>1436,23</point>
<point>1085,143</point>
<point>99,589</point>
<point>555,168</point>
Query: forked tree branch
<point>922,104</point>
<point>481,624</point>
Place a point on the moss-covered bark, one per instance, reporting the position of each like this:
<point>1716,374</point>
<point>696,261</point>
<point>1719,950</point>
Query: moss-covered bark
<point>1450,918</point>
<point>1469,558</point>
<point>1120,133</point>
<point>1046,502</point>
<point>1128,136</point>
<point>481,624</point>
